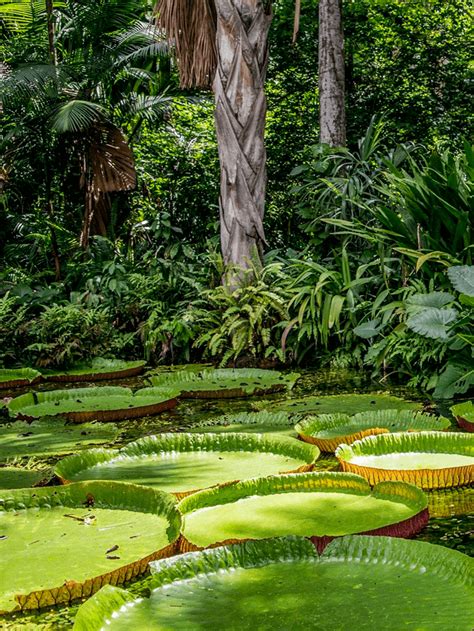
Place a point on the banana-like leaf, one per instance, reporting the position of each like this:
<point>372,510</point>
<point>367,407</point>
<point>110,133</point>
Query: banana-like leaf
<point>328,431</point>
<point>282,584</point>
<point>462,278</point>
<point>108,403</point>
<point>16,377</point>
<point>249,422</point>
<point>185,463</point>
<point>98,369</point>
<point>430,460</point>
<point>319,505</point>
<point>464,414</point>
<point>45,436</point>
<point>339,404</point>
<point>64,543</point>
<point>225,382</point>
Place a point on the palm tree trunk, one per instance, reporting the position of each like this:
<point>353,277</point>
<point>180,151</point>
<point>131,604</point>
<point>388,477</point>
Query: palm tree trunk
<point>332,117</point>
<point>242,56</point>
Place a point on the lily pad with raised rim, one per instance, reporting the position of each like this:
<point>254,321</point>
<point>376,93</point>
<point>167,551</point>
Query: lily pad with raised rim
<point>62,543</point>
<point>318,505</point>
<point>107,403</point>
<point>339,404</point>
<point>185,463</point>
<point>464,414</point>
<point>430,460</point>
<point>17,377</point>
<point>328,431</point>
<point>249,422</point>
<point>48,436</point>
<point>98,369</point>
<point>225,383</point>
<point>362,583</point>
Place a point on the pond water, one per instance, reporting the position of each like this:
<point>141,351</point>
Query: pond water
<point>452,512</point>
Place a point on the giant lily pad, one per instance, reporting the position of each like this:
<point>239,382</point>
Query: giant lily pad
<point>464,414</point>
<point>328,431</point>
<point>62,543</point>
<point>362,583</point>
<point>340,404</point>
<point>430,460</point>
<point>225,383</point>
<point>109,403</point>
<point>48,436</point>
<point>14,378</point>
<point>249,422</point>
<point>317,505</point>
<point>16,478</point>
<point>98,369</point>
<point>184,463</point>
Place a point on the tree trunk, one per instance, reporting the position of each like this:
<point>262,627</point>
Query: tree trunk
<point>50,21</point>
<point>332,117</point>
<point>242,52</point>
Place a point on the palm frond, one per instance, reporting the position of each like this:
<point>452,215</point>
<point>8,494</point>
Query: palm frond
<point>148,107</point>
<point>20,15</point>
<point>111,160</point>
<point>77,116</point>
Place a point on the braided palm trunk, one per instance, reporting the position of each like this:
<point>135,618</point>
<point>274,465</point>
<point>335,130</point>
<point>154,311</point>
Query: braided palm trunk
<point>242,54</point>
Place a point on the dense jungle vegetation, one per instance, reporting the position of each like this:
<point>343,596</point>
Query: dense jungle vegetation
<point>126,262</point>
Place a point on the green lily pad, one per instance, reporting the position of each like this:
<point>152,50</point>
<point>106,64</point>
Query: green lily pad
<point>464,414</point>
<point>225,383</point>
<point>14,378</point>
<point>362,583</point>
<point>340,404</point>
<point>179,368</point>
<point>62,543</point>
<point>428,459</point>
<point>316,505</point>
<point>15,478</point>
<point>249,422</point>
<point>48,436</point>
<point>108,403</point>
<point>328,431</point>
<point>98,369</point>
<point>184,463</point>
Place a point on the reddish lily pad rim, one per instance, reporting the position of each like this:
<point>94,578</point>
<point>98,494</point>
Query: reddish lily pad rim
<point>324,481</point>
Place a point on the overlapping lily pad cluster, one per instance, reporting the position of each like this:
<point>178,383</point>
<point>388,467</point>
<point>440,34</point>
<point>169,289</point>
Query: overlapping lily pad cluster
<point>240,501</point>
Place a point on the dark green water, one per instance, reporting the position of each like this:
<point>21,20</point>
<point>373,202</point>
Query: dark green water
<point>451,524</point>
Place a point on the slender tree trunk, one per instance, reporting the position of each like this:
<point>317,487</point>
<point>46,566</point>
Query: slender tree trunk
<point>50,19</point>
<point>242,52</point>
<point>332,117</point>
